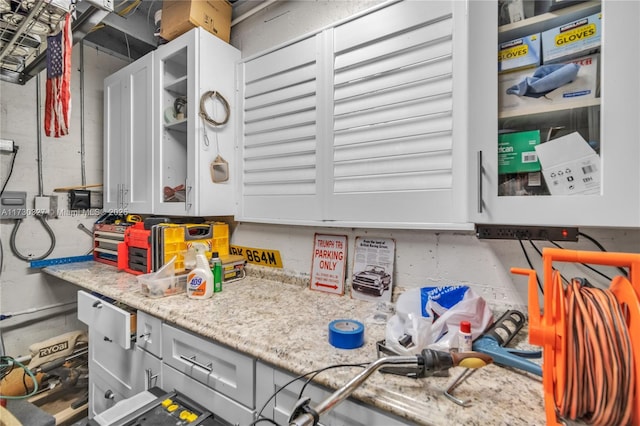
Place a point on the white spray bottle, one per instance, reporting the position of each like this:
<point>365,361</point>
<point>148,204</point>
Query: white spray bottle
<point>200,278</point>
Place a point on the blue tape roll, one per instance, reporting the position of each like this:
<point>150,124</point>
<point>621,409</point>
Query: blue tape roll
<point>346,334</point>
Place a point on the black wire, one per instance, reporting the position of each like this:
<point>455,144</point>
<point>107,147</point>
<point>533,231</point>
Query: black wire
<point>584,264</point>
<point>313,376</point>
<point>540,253</point>
<point>261,419</point>
<point>13,161</point>
<point>594,241</point>
<point>530,264</point>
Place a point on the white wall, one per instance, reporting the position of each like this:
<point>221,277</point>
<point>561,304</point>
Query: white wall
<point>22,288</point>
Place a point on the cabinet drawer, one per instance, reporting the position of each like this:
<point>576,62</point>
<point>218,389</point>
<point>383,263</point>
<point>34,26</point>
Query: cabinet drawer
<point>105,318</point>
<point>221,406</point>
<point>149,333</point>
<point>103,393</point>
<point>129,370</point>
<point>216,366</point>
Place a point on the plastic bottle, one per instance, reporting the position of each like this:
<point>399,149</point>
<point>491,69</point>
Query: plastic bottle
<point>200,278</point>
<point>465,340</point>
<point>217,272</point>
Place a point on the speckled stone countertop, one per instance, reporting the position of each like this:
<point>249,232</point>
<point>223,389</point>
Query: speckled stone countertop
<point>277,319</point>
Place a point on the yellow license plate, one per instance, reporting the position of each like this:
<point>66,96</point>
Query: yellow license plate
<point>258,256</point>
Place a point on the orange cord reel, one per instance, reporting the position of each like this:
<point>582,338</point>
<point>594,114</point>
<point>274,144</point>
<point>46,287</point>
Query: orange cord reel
<point>550,329</point>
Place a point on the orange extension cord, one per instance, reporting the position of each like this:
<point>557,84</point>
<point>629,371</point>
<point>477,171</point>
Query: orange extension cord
<point>600,377</point>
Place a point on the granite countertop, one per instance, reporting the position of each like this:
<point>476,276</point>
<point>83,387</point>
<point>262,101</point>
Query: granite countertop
<point>277,319</point>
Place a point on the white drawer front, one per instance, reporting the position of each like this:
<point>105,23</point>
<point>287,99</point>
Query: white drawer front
<point>221,406</point>
<point>103,393</point>
<point>149,333</point>
<point>107,319</point>
<point>216,366</point>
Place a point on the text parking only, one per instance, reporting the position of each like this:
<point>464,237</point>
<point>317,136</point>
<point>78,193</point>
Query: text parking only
<point>329,262</point>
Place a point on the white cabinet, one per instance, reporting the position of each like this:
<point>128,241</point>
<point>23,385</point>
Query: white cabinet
<point>347,413</point>
<point>610,122</point>
<point>362,123</point>
<point>185,145</point>
<point>117,369</point>
<point>128,143</point>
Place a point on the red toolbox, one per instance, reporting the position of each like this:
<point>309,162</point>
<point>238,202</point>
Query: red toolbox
<point>134,253</point>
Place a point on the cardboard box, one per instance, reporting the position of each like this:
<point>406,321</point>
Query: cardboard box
<point>516,152</point>
<point>179,16</point>
<point>576,38</point>
<point>570,166</point>
<point>585,86</point>
<point>519,53</point>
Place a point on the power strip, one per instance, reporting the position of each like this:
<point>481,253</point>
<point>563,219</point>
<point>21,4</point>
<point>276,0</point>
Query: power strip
<point>514,232</point>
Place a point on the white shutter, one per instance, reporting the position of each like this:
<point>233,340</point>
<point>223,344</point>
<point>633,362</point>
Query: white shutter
<point>279,144</point>
<point>393,114</point>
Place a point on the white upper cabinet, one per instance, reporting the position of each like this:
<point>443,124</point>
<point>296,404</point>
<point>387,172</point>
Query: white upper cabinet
<point>128,128</point>
<point>587,137</point>
<point>186,145</point>
<point>360,124</point>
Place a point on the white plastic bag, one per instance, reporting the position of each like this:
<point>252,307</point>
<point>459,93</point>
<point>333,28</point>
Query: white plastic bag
<point>429,317</point>
<point>450,305</point>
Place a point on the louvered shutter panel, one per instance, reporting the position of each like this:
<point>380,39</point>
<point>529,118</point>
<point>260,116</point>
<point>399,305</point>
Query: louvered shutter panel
<point>393,115</point>
<point>279,146</point>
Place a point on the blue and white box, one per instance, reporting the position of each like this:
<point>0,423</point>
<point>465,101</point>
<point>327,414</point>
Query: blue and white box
<point>519,53</point>
<point>576,38</point>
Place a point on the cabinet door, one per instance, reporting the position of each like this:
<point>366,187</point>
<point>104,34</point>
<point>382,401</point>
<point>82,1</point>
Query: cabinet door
<point>362,123</point>
<point>608,124</point>
<point>115,138</point>
<point>138,155</point>
<point>128,127</point>
<point>173,183</point>
<point>188,67</point>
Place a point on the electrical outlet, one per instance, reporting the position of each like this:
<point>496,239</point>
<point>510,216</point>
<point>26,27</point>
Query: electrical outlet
<point>515,232</point>
<point>46,205</point>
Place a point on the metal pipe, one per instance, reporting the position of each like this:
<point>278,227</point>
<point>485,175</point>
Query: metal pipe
<point>252,12</point>
<point>39,137</point>
<point>82,150</point>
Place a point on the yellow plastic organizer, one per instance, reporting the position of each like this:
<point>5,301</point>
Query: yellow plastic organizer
<point>549,330</point>
<point>176,240</point>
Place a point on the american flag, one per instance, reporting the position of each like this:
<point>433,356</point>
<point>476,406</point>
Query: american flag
<point>58,101</point>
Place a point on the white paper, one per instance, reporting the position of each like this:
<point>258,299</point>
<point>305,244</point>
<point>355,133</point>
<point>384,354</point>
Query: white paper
<point>570,166</point>
<point>373,268</point>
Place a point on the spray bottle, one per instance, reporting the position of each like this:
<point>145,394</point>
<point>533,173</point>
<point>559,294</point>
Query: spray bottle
<point>200,278</point>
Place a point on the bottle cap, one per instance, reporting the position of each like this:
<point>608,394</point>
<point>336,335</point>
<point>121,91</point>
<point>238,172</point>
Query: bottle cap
<point>214,254</point>
<point>465,326</point>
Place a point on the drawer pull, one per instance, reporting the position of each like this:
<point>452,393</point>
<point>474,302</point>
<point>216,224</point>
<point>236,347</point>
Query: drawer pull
<point>192,360</point>
<point>97,304</point>
<point>109,395</point>
<point>150,377</point>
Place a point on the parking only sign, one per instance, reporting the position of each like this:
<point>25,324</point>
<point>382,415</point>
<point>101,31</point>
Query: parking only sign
<point>329,263</point>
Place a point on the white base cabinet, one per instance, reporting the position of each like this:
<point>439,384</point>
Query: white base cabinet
<point>232,385</point>
<point>270,380</point>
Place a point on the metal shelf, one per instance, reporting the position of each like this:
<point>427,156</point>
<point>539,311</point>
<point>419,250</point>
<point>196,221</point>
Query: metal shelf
<point>24,26</point>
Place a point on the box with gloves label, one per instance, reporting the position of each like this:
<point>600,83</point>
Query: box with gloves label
<point>519,53</point>
<point>516,152</point>
<point>538,89</point>
<point>576,38</point>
